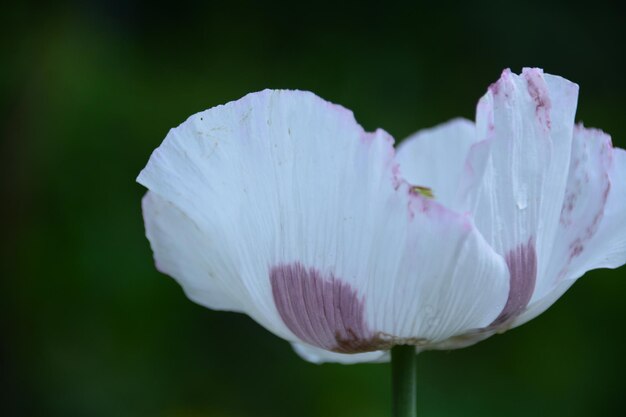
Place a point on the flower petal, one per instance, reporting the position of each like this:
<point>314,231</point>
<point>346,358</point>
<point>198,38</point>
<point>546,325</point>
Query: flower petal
<point>592,227</point>
<point>445,283</point>
<point>181,250</point>
<point>527,120</point>
<point>609,243</point>
<point>317,355</point>
<point>583,208</point>
<point>436,158</point>
<point>319,240</point>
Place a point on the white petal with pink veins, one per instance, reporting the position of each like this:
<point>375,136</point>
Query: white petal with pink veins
<point>610,240</point>
<point>527,121</point>
<point>315,235</point>
<point>608,247</point>
<point>583,208</point>
<point>592,226</point>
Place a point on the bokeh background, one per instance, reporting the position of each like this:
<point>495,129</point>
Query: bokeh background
<point>88,89</point>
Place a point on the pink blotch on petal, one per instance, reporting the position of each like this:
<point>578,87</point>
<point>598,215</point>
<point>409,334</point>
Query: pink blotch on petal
<point>538,90</point>
<point>576,191</point>
<point>522,263</point>
<point>321,309</point>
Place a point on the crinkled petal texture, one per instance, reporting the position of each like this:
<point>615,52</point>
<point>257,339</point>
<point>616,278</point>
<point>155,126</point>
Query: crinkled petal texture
<point>280,206</point>
<point>548,196</point>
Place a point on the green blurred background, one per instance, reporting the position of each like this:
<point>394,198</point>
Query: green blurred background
<point>89,89</point>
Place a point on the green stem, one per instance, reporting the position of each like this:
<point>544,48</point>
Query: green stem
<point>404,378</point>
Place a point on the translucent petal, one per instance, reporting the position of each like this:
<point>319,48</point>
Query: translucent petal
<point>317,355</point>
<point>583,209</point>
<point>436,158</point>
<point>608,248</point>
<point>592,227</point>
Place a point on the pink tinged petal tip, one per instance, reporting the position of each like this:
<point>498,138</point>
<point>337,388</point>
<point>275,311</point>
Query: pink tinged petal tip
<point>538,91</point>
<point>322,310</point>
<point>522,263</point>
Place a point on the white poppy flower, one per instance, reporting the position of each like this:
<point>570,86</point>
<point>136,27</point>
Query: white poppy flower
<point>281,207</point>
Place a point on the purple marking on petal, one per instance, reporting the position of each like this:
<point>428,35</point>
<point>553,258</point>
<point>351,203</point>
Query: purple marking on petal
<point>582,196</point>
<point>396,178</point>
<point>538,90</point>
<point>322,310</point>
<point>577,246</point>
<point>418,202</point>
<point>522,263</point>
<point>504,76</point>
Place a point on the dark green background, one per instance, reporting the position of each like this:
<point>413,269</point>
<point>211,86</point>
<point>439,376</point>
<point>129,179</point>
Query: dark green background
<point>89,89</point>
